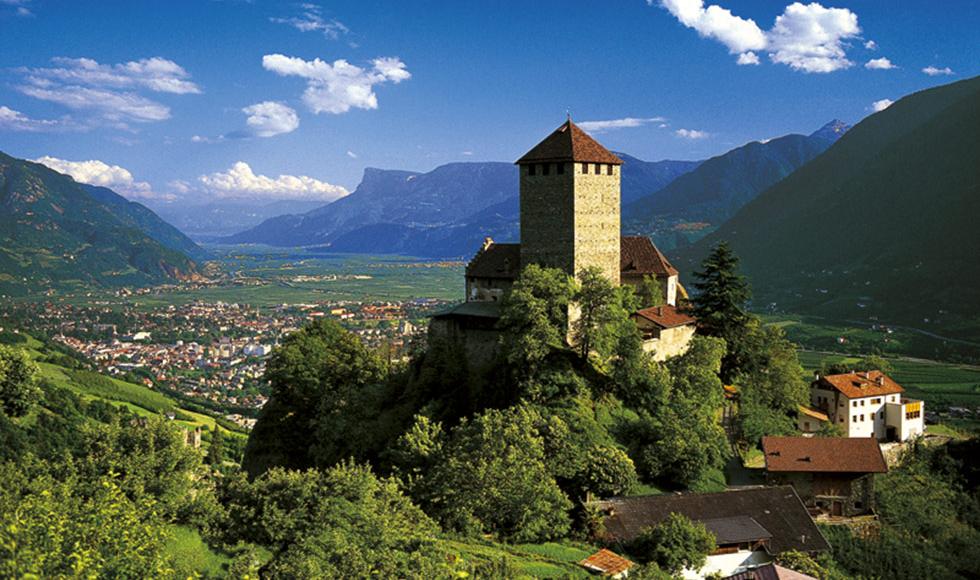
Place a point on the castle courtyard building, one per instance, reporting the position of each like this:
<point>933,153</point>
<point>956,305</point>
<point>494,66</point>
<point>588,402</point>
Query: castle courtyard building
<point>868,404</point>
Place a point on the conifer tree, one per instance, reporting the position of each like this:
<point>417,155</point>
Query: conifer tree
<point>720,306</point>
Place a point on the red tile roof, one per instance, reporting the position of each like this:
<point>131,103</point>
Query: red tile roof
<point>861,384</point>
<point>569,143</point>
<point>638,255</point>
<point>665,316</point>
<point>770,571</point>
<point>607,563</point>
<point>496,261</point>
<point>823,454</point>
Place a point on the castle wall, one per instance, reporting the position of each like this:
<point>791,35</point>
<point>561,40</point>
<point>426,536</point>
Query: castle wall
<point>548,217</point>
<point>597,218</point>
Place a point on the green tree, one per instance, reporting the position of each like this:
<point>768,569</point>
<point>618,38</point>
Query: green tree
<point>595,301</point>
<point>18,387</point>
<point>216,450</point>
<point>314,376</point>
<point>720,306</point>
<point>675,544</point>
<point>491,477</point>
<point>650,292</point>
<point>343,522</point>
<point>534,317</point>
<point>771,385</point>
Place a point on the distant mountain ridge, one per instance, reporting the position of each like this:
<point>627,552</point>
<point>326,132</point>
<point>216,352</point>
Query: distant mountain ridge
<point>445,212</point>
<point>720,186</point>
<point>206,222</point>
<point>57,233</point>
<point>883,224</point>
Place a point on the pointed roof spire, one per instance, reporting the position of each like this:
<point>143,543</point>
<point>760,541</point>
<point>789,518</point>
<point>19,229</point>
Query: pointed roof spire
<point>569,143</point>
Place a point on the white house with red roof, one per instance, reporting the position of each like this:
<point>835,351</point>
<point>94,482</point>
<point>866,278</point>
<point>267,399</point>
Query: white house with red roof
<point>868,404</point>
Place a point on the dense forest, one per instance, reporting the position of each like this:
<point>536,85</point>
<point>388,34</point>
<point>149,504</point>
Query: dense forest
<point>359,468</point>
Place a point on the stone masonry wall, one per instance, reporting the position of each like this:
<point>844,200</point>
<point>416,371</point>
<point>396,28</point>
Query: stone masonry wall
<point>548,218</point>
<point>597,199</point>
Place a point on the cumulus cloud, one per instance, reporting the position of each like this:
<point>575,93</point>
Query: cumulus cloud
<point>881,105</point>
<point>351,154</point>
<point>871,45</point>
<point>805,37</point>
<point>879,64</point>
<point>934,71</point>
<point>109,92</point>
<point>270,118</point>
<point>339,86</point>
<point>95,172</point>
<point>311,19</point>
<point>11,120</point>
<point>240,181</point>
<point>624,123</point>
<point>691,134</point>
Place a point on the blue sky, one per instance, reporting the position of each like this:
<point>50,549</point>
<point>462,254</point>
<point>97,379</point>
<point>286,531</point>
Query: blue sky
<point>213,99</point>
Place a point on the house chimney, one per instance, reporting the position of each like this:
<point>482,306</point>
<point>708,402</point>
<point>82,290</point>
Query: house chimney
<point>881,380</point>
<point>487,242</point>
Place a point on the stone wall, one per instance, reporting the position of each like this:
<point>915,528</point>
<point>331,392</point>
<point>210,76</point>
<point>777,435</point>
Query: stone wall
<point>597,227</point>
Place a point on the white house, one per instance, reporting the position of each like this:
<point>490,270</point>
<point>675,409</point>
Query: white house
<point>867,404</point>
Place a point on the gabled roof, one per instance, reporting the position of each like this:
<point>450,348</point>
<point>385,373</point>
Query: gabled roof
<point>861,384</point>
<point>736,530</point>
<point>471,310</point>
<point>638,255</point>
<point>607,563</point>
<point>665,316</point>
<point>813,413</point>
<point>777,509</point>
<point>569,143</point>
<point>823,455</point>
<point>496,261</point>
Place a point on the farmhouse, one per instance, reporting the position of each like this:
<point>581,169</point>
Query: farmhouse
<point>751,526</point>
<point>867,404</point>
<point>570,220</point>
<point>832,475</point>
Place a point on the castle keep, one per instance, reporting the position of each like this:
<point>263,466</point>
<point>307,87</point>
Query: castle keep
<point>570,220</point>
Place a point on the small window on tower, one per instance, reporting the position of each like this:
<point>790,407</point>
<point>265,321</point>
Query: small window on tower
<point>609,169</point>
<point>530,169</point>
<point>585,168</point>
<point>545,168</point>
<point>560,168</point>
<point>598,169</point>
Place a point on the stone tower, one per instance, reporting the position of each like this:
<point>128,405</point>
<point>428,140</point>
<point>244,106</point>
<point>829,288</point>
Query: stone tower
<point>570,204</point>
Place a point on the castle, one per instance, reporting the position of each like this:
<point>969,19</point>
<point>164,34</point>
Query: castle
<point>570,220</point>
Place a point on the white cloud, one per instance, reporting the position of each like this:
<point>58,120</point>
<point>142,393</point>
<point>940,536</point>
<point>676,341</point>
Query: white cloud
<point>881,105</point>
<point>691,134</point>
<point>109,92</point>
<point>269,118</point>
<point>624,123</point>
<point>805,37</point>
<point>240,181</point>
<point>95,172</point>
<point>810,37</point>
<point>871,45</point>
<point>879,64</point>
<point>351,154</point>
<point>311,20</point>
<point>933,71</point>
<point>113,106</point>
<point>740,35</point>
<point>11,120</point>
<point>338,87</point>
<point>156,74</point>
<point>179,186</point>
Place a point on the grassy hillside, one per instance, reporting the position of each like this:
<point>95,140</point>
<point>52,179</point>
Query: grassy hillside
<point>880,226</point>
<point>54,234</point>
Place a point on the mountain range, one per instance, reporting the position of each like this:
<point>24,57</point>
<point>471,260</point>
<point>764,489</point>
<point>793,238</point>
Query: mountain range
<point>707,196</point>
<point>445,212</point>
<point>883,224</point>
<point>55,232</point>
<point>207,222</point>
